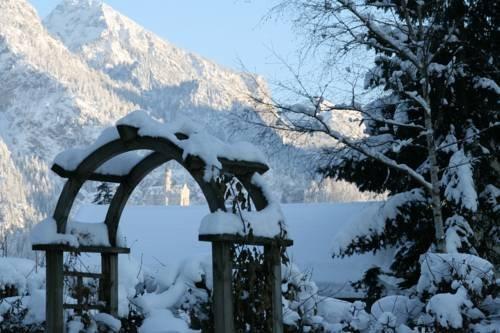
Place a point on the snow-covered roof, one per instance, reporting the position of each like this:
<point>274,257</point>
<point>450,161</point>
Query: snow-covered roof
<point>191,140</point>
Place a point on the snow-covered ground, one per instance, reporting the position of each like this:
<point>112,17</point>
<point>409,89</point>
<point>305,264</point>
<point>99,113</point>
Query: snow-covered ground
<point>166,235</point>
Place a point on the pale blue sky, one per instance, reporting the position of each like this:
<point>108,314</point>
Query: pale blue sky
<point>230,32</point>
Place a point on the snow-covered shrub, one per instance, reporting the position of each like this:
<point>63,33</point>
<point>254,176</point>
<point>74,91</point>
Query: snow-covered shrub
<point>94,323</point>
<point>395,312</point>
<point>22,297</point>
<point>300,300</point>
<point>24,313</point>
<point>402,307</point>
<point>184,296</point>
<point>173,298</point>
<point>371,284</point>
<point>305,310</point>
<point>17,275</point>
<point>18,315</point>
<point>458,290</point>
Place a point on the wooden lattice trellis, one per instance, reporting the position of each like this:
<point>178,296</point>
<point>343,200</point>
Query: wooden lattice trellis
<point>162,151</point>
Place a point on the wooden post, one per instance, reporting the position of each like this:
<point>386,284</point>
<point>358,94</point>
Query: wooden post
<point>273,260</point>
<point>54,292</point>
<point>109,282</point>
<point>222,284</point>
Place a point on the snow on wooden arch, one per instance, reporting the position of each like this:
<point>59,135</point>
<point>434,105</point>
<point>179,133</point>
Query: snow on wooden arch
<point>112,158</point>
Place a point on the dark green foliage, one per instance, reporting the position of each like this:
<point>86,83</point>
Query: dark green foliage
<point>8,291</point>
<point>104,194</point>
<point>198,306</point>
<point>251,291</point>
<point>13,319</point>
<point>370,284</point>
<point>132,322</point>
<point>462,42</point>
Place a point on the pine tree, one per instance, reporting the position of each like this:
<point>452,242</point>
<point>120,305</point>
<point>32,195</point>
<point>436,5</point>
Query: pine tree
<point>432,141</point>
<point>104,194</point>
<point>461,75</point>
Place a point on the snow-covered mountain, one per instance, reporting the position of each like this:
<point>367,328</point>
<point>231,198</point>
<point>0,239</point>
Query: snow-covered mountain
<point>173,82</point>
<point>86,66</point>
<point>49,100</point>
<point>116,45</point>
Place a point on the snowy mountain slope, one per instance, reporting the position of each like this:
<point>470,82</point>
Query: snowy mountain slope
<point>167,80</point>
<point>49,100</point>
<point>173,82</point>
<point>118,46</point>
<point>46,90</point>
<point>15,211</point>
<point>59,92</point>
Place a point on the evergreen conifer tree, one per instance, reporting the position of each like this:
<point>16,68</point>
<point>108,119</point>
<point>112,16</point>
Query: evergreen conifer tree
<point>461,39</point>
<point>104,194</point>
<point>433,132</point>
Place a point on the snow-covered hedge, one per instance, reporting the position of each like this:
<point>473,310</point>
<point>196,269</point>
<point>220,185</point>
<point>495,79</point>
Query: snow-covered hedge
<point>458,290</point>
<point>23,309</point>
<point>455,293</point>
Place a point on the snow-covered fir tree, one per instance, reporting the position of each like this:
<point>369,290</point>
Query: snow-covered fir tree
<point>458,85</point>
<point>104,194</point>
<point>432,129</point>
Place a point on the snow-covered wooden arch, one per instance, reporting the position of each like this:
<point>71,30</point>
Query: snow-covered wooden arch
<point>115,157</point>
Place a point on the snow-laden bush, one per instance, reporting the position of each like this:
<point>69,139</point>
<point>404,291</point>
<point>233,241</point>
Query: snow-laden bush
<point>176,298</point>
<point>181,298</point>
<point>456,292</point>
<point>305,310</point>
<point>18,276</point>
<point>391,312</point>
<point>457,289</point>
<point>23,310</point>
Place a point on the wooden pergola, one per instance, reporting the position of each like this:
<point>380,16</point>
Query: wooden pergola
<point>161,150</point>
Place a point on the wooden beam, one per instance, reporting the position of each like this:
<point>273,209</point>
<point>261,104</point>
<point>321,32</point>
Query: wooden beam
<point>83,274</point>
<point>240,168</point>
<point>91,249</point>
<point>254,240</point>
<point>109,281</point>
<point>99,177</point>
<point>272,258</point>
<point>222,287</point>
<point>65,202</point>
<point>54,292</point>
<point>127,133</point>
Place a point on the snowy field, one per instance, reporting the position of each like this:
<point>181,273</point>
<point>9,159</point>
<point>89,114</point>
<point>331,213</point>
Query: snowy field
<point>166,235</point>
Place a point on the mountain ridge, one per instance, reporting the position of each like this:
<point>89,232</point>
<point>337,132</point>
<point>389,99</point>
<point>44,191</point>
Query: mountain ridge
<point>58,93</point>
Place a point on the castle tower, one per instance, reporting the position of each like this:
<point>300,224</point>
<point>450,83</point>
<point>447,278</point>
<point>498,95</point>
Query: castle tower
<point>185,195</point>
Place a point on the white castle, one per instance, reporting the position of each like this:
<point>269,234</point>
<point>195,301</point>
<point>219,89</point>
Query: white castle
<point>175,194</point>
